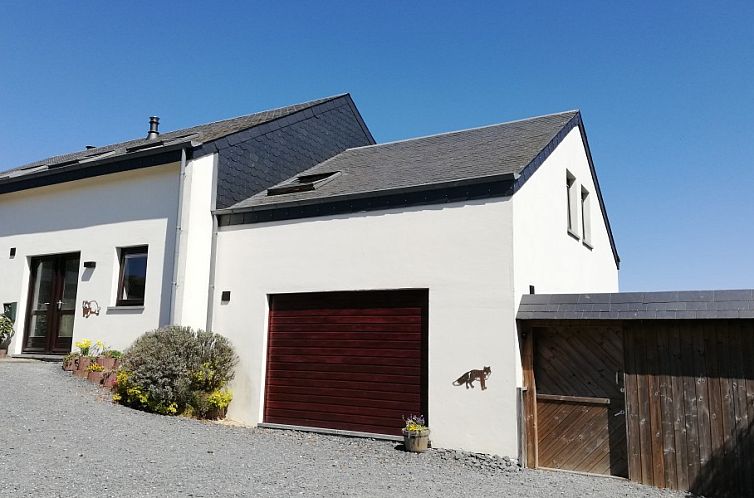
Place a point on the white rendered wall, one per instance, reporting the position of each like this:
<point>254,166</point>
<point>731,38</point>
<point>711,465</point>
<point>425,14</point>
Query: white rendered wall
<point>195,251</point>
<point>545,254</point>
<point>462,253</point>
<point>95,216</point>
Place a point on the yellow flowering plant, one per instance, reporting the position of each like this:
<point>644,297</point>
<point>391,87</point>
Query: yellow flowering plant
<point>415,423</point>
<point>84,346</point>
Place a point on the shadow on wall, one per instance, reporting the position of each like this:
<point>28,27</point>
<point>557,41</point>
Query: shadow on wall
<point>730,470</point>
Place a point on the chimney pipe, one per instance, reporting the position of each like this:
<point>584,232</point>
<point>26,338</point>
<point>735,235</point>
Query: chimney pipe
<point>154,122</point>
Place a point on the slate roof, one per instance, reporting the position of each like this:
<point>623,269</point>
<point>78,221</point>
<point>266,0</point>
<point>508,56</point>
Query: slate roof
<point>639,305</point>
<point>489,151</point>
<point>196,135</point>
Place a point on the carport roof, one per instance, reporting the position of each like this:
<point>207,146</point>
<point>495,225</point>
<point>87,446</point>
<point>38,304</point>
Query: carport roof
<point>710,304</point>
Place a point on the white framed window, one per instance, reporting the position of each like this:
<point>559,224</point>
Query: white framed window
<point>571,205</point>
<point>586,217</point>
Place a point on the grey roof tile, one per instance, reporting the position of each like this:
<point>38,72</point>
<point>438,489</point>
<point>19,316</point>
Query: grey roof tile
<point>457,156</point>
<point>203,133</point>
<point>723,304</point>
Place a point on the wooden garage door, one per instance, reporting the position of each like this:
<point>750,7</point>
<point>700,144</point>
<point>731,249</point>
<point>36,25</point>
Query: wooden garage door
<point>354,361</point>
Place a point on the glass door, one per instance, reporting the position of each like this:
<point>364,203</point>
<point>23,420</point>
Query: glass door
<point>52,304</point>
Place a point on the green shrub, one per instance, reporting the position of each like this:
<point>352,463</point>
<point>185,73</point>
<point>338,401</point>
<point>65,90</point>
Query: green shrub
<point>6,329</point>
<point>167,370</point>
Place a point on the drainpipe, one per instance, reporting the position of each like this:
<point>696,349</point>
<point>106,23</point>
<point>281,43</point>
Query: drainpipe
<point>213,250</point>
<point>178,237</point>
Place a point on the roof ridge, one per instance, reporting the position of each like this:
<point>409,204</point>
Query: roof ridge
<point>308,103</point>
<point>463,130</point>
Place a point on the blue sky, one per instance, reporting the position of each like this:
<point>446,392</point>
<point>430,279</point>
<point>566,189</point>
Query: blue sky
<point>666,90</point>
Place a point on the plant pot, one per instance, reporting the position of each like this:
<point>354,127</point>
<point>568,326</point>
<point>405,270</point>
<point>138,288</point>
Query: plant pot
<point>109,379</point>
<point>108,363</point>
<point>3,353</point>
<point>95,377</point>
<point>81,365</point>
<point>70,364</point>
<point>216,413</point>
<point>416,441</point>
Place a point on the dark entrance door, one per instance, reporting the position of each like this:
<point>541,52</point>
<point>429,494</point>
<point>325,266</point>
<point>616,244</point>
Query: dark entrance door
<point>580,400</point>
<point>52,304</point>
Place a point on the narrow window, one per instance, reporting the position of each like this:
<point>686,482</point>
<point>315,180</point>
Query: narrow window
<point>133,276</point>
<point>586,217</point>
<point>571,204</point>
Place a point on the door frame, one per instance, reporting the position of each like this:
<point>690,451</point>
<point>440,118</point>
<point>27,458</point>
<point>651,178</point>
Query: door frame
<point>52,325</point>
<point>528,425</point>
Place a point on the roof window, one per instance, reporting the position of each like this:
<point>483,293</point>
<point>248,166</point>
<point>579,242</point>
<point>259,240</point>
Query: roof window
<point>303,183</point>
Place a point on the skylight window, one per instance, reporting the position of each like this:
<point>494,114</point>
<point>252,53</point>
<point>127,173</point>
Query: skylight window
<point>303,183</point>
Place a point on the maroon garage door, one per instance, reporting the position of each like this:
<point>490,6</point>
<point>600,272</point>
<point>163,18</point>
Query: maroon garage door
<point>354,361</point>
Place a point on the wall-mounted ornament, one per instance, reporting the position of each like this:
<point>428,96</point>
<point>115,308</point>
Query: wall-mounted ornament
<point>469,377</point>
<point>89,308</point>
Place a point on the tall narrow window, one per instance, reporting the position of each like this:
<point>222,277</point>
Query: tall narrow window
<point>586,217</point>
<point>571,205</point>
<point>133,276</point>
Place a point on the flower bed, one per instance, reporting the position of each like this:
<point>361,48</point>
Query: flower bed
<point>170,371</point>
<point>94,362</point>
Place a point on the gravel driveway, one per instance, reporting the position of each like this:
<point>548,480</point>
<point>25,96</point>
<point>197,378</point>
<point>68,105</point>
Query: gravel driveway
<point>60,436</point>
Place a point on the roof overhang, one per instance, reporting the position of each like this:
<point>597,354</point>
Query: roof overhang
<point>90,168</point>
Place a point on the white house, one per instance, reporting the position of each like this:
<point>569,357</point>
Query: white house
<point>125,231</point>
<point>358,282</point>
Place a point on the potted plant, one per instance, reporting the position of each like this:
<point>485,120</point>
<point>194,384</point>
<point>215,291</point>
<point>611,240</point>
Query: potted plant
<point>70,361</point>
<point>6,333</point>
<point>109,359</point>
<point>416,434</point>
<point>218,402</point>
<point>95,373</point>
<point>84,359</point>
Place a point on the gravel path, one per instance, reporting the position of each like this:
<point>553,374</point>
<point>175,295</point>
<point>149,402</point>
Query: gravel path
<point>60,436</point>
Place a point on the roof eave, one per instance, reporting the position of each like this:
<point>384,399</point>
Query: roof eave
<point>366,195</point>
<point>6,184</point>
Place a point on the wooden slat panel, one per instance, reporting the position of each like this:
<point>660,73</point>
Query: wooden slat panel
<point>678,415</point>
<point>666,407</point>
<point>579,404</point>
<point>645,427</point>
<point>632,405</point>
<point>655,412</point>
<point>351,361</point>
<point>702,400</point>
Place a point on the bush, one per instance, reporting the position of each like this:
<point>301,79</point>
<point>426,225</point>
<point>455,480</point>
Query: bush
<point>6,330</point>
<point>168,369</point>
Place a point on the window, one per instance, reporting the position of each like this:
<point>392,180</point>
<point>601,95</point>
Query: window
<point>303,183</point>
<point>133,276</point>
<point>571,205</point>
<point>586,218</point>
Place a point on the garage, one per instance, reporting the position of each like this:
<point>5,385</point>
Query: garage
<point>348,361</point>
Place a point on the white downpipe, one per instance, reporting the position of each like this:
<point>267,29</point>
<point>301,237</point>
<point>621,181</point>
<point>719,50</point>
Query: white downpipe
<point>178,238</point>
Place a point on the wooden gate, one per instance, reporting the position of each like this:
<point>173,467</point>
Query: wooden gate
<point>580,410</point>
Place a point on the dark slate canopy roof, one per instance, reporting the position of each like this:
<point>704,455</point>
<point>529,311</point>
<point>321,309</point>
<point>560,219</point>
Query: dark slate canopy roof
<point>487,152</point>
<point>639,305</point>
<point>193,136</point>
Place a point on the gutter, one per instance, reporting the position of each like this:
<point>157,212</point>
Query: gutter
<point>371,194</point>
<point>78,170</point>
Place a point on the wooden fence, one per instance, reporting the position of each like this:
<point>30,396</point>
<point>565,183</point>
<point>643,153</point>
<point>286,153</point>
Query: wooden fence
<point>690,405</point>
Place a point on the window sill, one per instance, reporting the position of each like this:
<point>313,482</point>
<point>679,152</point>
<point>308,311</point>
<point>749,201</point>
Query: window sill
<point>125,309</point>
<point>587,244</point>
<point>573,234</point>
